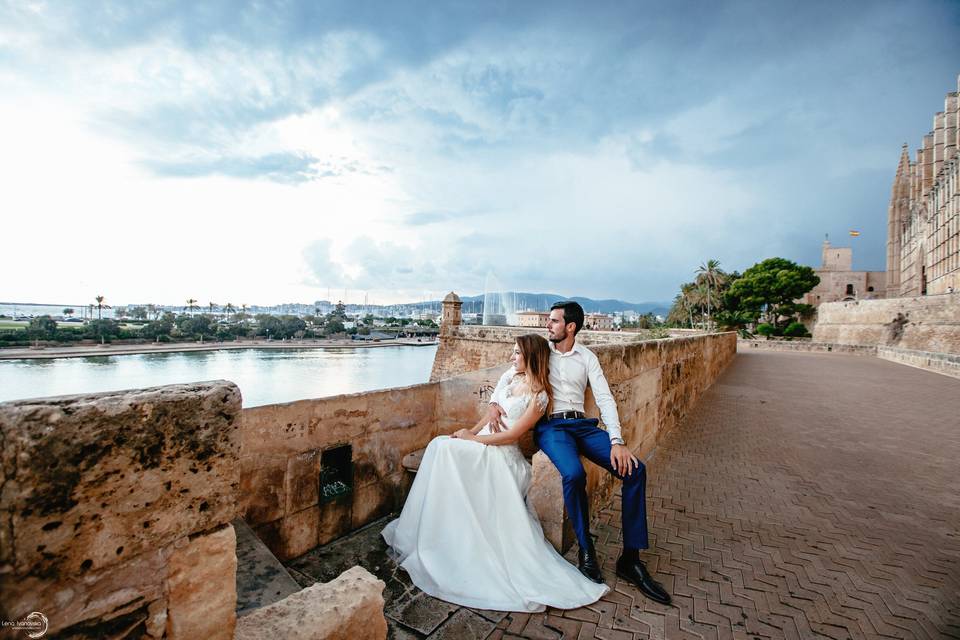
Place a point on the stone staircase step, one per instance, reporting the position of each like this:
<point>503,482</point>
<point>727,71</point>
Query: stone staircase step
<point>261,578</point>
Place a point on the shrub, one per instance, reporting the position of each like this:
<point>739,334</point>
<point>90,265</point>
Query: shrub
<point>796,330</point>
<point>766,329</point>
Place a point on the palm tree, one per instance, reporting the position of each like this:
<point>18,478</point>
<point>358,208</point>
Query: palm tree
<point>101,307</point>
<point>710,275</point>
<point>191,305</point>
<point>228,308</point>
<point>212,305</point>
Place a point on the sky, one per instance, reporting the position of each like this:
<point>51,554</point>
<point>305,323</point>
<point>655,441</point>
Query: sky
<point>270,152</point>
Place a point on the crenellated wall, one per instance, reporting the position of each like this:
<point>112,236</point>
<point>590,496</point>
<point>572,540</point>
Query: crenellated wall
<point>115,511</point>
<point>926,323</point>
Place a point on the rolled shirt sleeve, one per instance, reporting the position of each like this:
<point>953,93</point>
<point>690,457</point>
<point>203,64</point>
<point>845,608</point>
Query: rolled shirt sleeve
<point>604,399</point>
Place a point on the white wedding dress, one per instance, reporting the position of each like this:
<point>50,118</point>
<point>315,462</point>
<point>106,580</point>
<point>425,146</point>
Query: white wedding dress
<point>467,536</point>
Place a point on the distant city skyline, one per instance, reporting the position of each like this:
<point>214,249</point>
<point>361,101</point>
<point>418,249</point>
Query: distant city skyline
<point>235,151</point>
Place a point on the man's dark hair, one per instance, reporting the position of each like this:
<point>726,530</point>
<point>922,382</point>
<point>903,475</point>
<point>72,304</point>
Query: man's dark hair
<point>572,312</point>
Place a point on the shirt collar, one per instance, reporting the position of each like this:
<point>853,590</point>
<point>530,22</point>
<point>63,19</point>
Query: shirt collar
<point>575,349</point>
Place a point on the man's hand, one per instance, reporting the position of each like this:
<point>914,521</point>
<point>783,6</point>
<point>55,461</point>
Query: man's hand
<point>622,461</point>
<point>495,418</point>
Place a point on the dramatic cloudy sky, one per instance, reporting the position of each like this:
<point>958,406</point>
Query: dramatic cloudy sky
<point>270,152</point>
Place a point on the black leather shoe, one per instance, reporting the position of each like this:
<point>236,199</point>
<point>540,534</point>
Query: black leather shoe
<point>588,565</point>
<point>635,572</point>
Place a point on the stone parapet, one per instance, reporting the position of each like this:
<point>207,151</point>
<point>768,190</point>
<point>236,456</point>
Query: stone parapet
<point>945,363</point>
<point>807,346</point>
<point>115,510</point>
<point>471,347</point>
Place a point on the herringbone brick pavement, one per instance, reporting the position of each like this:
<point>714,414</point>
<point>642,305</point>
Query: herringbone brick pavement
<point>805,496</point>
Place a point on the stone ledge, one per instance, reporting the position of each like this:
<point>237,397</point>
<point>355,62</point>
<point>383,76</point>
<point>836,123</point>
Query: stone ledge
<point>347,608</point>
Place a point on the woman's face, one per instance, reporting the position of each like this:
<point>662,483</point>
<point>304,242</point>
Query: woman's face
<point>517,359</point>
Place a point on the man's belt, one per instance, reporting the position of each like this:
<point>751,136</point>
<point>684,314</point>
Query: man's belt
<point>566,415</point>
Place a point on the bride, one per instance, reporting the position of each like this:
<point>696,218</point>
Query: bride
<point>466,534</point>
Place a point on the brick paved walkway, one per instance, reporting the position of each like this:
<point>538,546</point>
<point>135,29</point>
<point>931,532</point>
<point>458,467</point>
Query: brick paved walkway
<point>805,496</point>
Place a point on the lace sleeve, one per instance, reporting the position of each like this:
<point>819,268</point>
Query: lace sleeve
<point>542,399</point>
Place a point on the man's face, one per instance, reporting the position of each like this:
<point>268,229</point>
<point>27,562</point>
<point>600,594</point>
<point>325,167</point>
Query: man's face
<point>556,328</point>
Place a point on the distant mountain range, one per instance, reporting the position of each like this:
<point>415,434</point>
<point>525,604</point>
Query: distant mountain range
<point>543,302</point>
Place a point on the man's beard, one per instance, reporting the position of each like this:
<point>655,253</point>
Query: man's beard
<point>555,340</point>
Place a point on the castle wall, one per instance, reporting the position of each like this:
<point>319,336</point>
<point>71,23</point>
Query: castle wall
<point>925,323</point>
<point>115,511</point>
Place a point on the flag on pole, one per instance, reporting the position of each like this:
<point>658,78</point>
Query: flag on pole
<point>854,233</point>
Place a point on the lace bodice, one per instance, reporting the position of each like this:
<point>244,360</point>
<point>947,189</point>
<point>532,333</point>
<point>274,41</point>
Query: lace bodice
<point>514,398</point>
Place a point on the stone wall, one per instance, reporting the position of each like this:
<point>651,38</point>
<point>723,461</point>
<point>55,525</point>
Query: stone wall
<point>283,447</point>
<point>805,345</point>
<point>927,323</point>
<point>115,511</point>
<point>470,347</point>
<point>944,363</point>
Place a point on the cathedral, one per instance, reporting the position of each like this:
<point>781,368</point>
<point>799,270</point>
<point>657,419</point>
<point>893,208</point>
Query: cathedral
<point>923,226</point>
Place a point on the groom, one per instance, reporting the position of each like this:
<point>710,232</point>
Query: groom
<point>566,434</point>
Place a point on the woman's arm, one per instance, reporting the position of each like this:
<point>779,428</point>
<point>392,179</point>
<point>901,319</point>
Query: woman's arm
<point>521,426</point>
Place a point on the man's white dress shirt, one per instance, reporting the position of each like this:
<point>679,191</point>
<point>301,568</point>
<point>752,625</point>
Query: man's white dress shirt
<point>569,375</point>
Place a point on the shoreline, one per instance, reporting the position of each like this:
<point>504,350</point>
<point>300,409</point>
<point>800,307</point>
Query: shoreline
<point>35,353</point>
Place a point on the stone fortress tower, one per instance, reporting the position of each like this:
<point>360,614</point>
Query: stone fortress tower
<point>923,222</point>
<point>839,282</point>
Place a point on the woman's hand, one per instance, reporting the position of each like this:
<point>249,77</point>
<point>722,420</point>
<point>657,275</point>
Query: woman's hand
<point>464,434</point>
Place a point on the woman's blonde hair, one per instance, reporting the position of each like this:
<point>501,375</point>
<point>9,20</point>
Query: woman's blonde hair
<point>535,351</point>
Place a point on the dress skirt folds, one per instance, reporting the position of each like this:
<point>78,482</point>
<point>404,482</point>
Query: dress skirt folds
<point>467,536</point>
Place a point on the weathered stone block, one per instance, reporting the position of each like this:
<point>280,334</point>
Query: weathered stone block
<point>299,532</point>
<point>98,596</point>
<point>302,480</point>
<point>202,587</point>
<point>90,480</point>
<point>263,488</point>
<point>370,501</point>
<point>347,608</point>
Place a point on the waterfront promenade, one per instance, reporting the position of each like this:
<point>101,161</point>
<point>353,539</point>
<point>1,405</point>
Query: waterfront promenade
<point>805,496</point>
<point>30,353</point>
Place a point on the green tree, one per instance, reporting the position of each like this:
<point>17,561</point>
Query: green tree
<point>212,306</point>
<point>139,313</point>
<point>340,311</point>
<point>159,328</point>
<point>102,329</point>
<point>100,307</point>
<point>333,326</point>
<point>770,287</point>
<point>42,328</point>
<point>196,327</point>
<point>191,305</point>
<point>710,275</point>
<point>68,312</point>
<point>229,309</point>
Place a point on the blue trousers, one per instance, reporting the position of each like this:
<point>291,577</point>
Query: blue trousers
<point>564,441</point>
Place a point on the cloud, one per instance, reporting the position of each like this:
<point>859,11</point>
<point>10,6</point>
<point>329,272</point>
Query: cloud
<point>286,168</point>
<point>603,152</point>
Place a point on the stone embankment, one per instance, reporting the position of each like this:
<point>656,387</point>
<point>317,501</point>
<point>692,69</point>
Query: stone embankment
<point>33,353</point>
